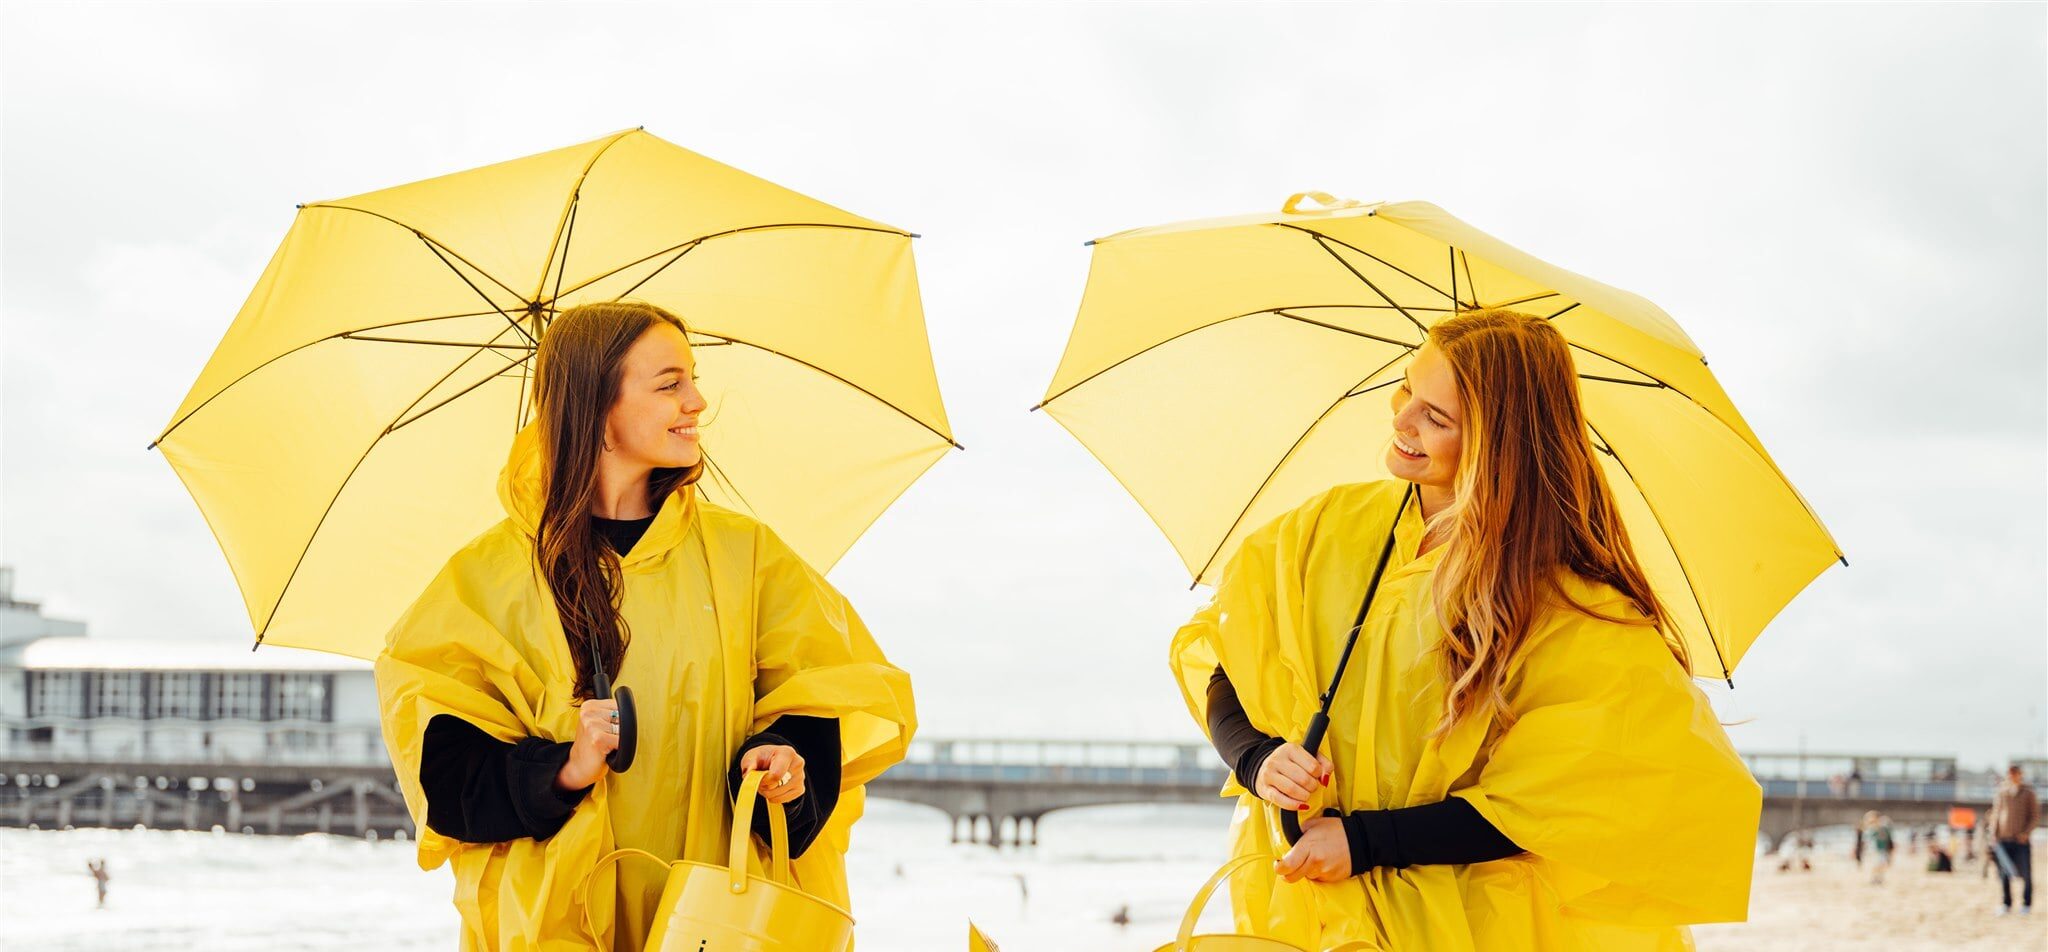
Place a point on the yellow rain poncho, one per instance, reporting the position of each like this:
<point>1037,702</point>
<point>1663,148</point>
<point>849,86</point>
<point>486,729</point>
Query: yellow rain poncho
<point>1637,814</point>
<point>730,629</point>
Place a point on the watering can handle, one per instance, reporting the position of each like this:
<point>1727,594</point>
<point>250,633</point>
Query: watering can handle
<point>742,823</point>
<point>583,888</point>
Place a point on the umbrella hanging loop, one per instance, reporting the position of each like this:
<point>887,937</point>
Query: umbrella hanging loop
<point>1326,200</point>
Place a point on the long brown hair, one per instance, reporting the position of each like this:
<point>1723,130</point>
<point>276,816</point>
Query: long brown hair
<point>1530,502</point>
<point>576,383</point>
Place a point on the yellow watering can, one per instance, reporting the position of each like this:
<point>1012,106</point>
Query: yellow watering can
<point>711,908</point>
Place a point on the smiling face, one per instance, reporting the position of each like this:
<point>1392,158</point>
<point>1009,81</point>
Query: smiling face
<point>1428,422</point>
<point>654,421</point>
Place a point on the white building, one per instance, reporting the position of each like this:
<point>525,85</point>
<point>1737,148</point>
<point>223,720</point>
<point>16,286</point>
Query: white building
<point>68,697</point>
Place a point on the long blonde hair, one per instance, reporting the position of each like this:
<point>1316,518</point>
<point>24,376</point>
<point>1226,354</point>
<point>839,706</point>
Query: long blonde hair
<point>1529,503</point>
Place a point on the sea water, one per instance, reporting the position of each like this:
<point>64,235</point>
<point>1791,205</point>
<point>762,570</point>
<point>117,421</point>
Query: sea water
<point>912,888</point>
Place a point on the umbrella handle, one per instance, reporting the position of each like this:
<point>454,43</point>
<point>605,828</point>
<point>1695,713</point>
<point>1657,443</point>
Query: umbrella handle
<point>629,731</point>
<point>629,717</point>
<point>1290,821</point>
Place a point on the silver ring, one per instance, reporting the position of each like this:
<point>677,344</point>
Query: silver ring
<point>615,715</point>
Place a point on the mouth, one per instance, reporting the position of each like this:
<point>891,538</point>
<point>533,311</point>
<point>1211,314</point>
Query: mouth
<point>1408,452</point>
<point>687,431</point>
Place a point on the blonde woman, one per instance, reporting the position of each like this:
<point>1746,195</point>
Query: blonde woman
<point>1517,757</point>
<point>609,568</point>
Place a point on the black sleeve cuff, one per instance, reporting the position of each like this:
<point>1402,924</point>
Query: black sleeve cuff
<point>1448,832</point>
<point>483,790</point>
<point>816,740</point>
<point>530,773</point>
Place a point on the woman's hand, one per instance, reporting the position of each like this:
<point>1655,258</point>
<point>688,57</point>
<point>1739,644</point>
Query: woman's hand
<point>1323,853</point>
<point>1290,775</point>
<point>597,734</point>
<point>785,768</point>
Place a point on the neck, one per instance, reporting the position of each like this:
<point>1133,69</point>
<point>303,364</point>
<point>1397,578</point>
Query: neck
<point>621,489</point>
<point>1433,499</point>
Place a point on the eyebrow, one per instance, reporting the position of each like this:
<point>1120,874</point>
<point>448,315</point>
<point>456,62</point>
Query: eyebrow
<point>671,370</point>
<point>1439,410</point>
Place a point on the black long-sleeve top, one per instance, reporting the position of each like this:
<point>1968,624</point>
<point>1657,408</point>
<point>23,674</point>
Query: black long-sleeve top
<point>1446,832</point>
<point>483,790</point>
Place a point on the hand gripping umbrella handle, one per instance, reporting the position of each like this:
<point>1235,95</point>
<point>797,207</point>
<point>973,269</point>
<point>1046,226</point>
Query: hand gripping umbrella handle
<point>629,718</point>
<point>1290,821</point>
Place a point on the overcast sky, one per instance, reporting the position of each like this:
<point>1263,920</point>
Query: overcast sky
<point>1844,206</point>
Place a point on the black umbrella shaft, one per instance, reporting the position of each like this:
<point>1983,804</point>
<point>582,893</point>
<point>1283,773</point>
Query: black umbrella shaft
<point>1319,725</point>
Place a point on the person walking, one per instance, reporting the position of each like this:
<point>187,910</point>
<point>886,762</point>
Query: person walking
<point>2015,811</point>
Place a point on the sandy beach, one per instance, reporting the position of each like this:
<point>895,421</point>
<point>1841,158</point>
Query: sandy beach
<point>1835,907</point>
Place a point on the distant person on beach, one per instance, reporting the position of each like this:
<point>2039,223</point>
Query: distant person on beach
<point>2015,811</point>
<point>1519,690</point>
<point>98,867</point>
<point>1880,827</point>
<point>1938,859</point>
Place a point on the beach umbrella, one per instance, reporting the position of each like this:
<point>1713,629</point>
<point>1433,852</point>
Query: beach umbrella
<point>1225,370</point>
<point>346,435</point>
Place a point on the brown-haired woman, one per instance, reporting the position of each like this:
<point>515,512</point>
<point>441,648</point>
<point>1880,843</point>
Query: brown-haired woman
<point>1517,756</point>
<point>738,655</point>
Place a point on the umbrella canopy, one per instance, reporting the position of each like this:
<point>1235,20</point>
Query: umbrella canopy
<point>346,436</point>
<point>1225,370</point>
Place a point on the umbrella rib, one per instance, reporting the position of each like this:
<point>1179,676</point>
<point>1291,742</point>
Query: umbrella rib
<point>1280,311</point>
<point>692,246</point>
<point>906,414</point>
<point>389,428</point>
<point>252,371</point>
<point>567,239</point>
<point>1454,278</point>
<point>423,236</point>
<point>1690,588</point>
<point>1325,245</point>
<point>404,421</point>
<point>1471,286</point>
<point>1768,461</point>
<point>434,343</point>
<point>513,322</point>
<point>1349,392</point>
<point>1567,309</point>
<point>560,239</point>
<point>1397,269</point>
<point>735,231</point>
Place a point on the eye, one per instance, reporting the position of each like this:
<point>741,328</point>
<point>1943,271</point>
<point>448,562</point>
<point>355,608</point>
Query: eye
<point>671,386</point>
<point>1433,422</point>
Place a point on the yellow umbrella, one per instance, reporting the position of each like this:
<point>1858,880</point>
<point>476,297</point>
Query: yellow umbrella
<point>1215,369</point>
<point>345,437</point>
